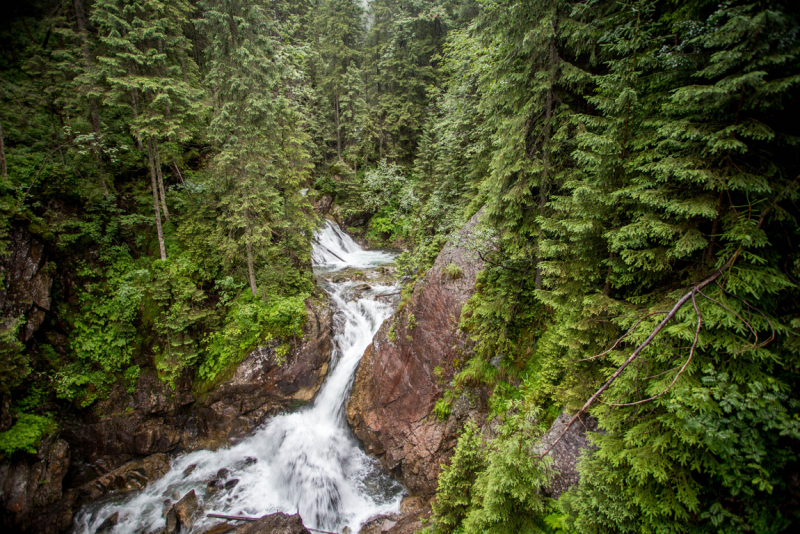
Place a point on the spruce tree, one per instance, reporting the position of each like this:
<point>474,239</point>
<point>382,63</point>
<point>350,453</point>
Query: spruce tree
<point>257,173</point>
<point>146,65</point>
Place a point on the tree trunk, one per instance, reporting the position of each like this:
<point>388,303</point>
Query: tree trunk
<point>249,246</point>
<point>155,199</point>
<point>338,130</point>
<point>94,114</point>
<point>544,187</point>
<point>134,106</point>
<point>3,169</point>
<point>160,180</point>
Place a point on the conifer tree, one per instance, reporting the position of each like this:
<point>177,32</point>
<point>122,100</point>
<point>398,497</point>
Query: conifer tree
<point>339,79</point>
<point>261,164</point>
<point>149,72</point>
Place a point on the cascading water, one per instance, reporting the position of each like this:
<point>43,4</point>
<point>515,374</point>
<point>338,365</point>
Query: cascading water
<point>308,461</point>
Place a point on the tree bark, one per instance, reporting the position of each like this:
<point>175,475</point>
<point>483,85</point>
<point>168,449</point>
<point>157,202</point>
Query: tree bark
<point>94,113</point>
<point>250,267</point>
<point>3,169</point>
<point>338,130</point>
<point>160,177</point>
<point>134,106</point>
<point>155,199</point>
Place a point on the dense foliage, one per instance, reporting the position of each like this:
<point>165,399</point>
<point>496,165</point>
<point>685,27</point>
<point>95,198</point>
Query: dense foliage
<point>636,163</point>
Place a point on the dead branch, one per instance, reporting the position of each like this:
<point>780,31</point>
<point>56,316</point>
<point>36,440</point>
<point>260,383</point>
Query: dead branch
<point>617,342</point>
<point>747,323</point>
<point>233,517</point>
<point>685,365</point>
<point>678,305</point>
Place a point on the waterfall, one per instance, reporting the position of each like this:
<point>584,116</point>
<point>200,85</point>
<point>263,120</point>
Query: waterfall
<point>307,461</point>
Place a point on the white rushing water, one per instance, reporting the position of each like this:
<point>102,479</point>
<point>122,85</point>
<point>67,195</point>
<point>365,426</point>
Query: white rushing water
<point>307,461</point>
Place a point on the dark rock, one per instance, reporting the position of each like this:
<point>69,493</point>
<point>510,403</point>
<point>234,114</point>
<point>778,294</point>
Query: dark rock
<point>566,453</point>
<point>223,473</point>
<point>31,489</point>
<point>110,522</point>
<point>229,485</point>
<point>247,462</point>
<point>172,522</point>
<point>131,476</point>
<point>185,510</point>
<point>323,206</point>
<point>395,390</point>
<point>25,282</point>
<point>188,471</point>
<point>276,524</point>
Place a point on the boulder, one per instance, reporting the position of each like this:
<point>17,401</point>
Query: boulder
<point>276,524</point>
<point>396,385</point>
<point>132,476</point>
<point>185,509</point>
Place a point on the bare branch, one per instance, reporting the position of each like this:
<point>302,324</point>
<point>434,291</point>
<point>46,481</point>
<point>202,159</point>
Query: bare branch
<point>617,342</point>
<point>685,365</point>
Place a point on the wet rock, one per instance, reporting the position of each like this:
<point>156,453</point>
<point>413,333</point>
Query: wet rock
<point>185,510</point>
<point>31,489</point>
<point>396,388</point>
<point>276,524</point>
<point>131,476</point>
<point>247,462</point>
<point>229,485</point>
<point>223,473</point>
<point>188,471</point>
<point>166,507</point>
<point>24,282</point>
<point>110,522</point>
<point>172,522</point>
<point>414,513</point>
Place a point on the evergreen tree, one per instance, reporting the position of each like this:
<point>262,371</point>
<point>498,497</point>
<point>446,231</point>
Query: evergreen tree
<point>146,64</point>
<point>261,164</point>
<point>339,79</point>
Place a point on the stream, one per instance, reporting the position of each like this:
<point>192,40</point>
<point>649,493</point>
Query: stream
<point>305,462</point>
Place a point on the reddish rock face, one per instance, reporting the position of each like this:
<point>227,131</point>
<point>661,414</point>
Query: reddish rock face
<point>397,383</point>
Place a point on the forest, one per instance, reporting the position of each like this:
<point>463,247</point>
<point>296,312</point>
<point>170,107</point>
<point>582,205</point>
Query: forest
<point>637,164</point>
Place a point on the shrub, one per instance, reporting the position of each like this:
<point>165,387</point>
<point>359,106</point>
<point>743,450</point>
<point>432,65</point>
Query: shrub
<point>453,271</point>
<point>26,434</point>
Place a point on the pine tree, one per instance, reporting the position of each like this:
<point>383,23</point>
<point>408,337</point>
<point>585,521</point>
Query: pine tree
<point>146,64</point>
<point>262,162</point>
<point>339,79</point>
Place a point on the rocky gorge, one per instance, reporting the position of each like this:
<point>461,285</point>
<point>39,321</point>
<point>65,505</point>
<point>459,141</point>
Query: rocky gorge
<point>127,440</point>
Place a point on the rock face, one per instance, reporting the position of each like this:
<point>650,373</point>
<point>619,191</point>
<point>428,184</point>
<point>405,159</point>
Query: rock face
<point>567,451</point>
<point>36,484</point>
<point>397,383</point>
<point>25,289</point>
<point>123,442</point>
<point>261,387</point>
<point>276,524</point>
